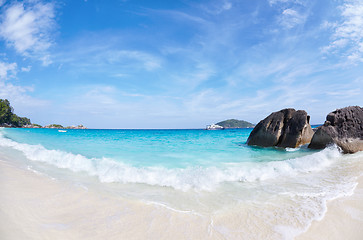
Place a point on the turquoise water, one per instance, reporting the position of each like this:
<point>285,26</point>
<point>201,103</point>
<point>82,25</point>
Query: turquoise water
<point>162,148</point>
<point>181,159</point>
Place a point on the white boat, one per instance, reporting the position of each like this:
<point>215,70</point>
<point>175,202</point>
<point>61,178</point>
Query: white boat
<point>62,130</point>
<point>214,127</point>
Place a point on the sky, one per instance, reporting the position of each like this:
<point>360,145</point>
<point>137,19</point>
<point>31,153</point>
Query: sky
<point>180,63</point>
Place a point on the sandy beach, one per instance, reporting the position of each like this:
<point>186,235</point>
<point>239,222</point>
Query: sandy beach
<point>34,206</point>
<point>343,220</point>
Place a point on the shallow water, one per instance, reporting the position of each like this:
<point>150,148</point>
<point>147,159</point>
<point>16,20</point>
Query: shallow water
<point>213,174</point>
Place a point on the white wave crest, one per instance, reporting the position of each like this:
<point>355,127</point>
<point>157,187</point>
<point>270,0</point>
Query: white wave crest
<point>198,178</point>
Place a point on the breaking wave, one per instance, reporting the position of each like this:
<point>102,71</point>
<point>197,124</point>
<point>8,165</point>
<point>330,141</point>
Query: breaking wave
<point>198,178</point>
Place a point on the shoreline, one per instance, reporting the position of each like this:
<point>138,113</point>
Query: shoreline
<point>343,219</point>
<point>34,206</point>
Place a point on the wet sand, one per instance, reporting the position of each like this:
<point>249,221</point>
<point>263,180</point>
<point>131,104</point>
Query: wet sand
<point>343,220</point>
<point>33,206</point>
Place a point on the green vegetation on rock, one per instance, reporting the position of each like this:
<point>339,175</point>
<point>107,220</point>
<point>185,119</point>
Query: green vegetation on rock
<point>54,126</point>
<point>234,123</point>
<point>9,118</point>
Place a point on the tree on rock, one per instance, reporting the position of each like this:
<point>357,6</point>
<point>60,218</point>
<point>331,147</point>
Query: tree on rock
<point>8,118</point>
<point>6,111</point>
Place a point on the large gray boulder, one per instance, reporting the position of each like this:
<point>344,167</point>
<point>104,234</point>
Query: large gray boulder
<point>285,128</point>
<point>344,127</point>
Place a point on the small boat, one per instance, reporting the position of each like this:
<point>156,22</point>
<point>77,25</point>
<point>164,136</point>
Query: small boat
<point>214,127</point>
<point>62,130</point>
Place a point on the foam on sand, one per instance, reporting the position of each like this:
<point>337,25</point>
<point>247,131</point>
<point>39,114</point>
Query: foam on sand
<point>35,207</point>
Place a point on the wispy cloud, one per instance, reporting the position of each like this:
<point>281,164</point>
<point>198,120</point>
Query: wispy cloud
<point>290,18</point>
<point>26,69</point>
<point>217,7</point>
<point>119,75</point>
<point>292,13</point>
<point>149,61</point>
<point>347,36</point>
<point>227,5</point>
<point>21,99</point>
<point>192,77</point>
<point>18,95</point>
<point>273,2</point>
<point>96,56</point>
<point>28,28</point>
<point>7,70</point>
<point>179,15</point>
<point>8,90</point>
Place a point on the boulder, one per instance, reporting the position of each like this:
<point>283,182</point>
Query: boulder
<point>344,127</point>
<point>6,125</point>
<point>285,128</point>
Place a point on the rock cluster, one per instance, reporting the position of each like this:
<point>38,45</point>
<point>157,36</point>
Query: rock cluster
<point>291,128</point>
<point>31,126</point>
<point>285,128</point>
<point>344,127</point>
<point>77,127</point>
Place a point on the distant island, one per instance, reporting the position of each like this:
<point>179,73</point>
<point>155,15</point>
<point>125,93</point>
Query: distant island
<point>10,120</point>
<point>231,123</point>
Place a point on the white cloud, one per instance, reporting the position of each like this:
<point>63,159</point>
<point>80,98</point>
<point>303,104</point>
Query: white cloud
<point>7,70</point>
<point>28,28</point>
<point>9,90</point>
<point>120,75</point>
<point>20,98</point>
<point>347,37</point>
<point>227,5</point>
<point>119,57</point>
<point>216,7</point>
<point>192,77</point>
<point>292,12</point>
<point>327,25</point>
<point>26,69</point>
<point>181,16</point>
<point>291,18</point>
<point>149,61</point>
<point>97,57</point>
<point>273,2</point>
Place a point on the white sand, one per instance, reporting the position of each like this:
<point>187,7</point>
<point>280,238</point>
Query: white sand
<point>344,219</point>
<point>33,206</point>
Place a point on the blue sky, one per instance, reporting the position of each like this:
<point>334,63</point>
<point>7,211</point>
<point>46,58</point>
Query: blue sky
<point>178,64</point>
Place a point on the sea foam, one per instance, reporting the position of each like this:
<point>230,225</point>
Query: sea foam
<point>196,177</point>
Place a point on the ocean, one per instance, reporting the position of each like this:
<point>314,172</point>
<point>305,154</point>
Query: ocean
<point>213,174</point>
